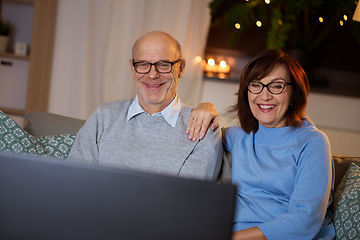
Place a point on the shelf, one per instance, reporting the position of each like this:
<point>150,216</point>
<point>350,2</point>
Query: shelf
<point>21,1</point>
<point>13,56</point>
<point>12,111</point>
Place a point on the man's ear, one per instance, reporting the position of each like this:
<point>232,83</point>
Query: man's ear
<point>132,68</point>
<point>182,68</point>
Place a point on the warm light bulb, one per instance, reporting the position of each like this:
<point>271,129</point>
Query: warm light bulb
<point>237,25</point>
<point>280,22</point>
<point>321,19</point>
<point>341,23</point>
<point>198,59</point>
<point>223,64</point>
<point>258,23</point>
<point>267,1</point>
<point>345,17</point>
<point>211,61</point>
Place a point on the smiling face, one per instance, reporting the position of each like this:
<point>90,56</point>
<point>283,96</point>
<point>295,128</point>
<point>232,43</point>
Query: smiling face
<point>156,90</point>
<point>270,109</point>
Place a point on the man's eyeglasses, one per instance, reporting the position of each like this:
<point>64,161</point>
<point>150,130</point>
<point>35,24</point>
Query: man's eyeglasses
<point>256,87</point>
<point>161,66</point>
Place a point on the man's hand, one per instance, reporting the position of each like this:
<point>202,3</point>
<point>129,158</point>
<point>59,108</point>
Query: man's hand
<point>200,119</point>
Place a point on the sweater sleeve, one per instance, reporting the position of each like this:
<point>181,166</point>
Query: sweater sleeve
<point>204,161</point>
<point>85,147</point>
<point>310,199</point>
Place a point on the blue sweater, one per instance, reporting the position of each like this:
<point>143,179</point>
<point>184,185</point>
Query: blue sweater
<point>284,178</point>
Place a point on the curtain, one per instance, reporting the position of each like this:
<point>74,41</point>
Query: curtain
<point>93,44</point>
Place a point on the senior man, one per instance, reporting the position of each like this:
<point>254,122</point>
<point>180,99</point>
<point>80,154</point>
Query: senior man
<point>149,133</point>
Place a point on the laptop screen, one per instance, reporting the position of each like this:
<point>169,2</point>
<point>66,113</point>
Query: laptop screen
<point>47,198</point>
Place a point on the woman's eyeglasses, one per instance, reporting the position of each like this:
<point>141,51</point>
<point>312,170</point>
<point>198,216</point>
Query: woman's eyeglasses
<point>256,87</point>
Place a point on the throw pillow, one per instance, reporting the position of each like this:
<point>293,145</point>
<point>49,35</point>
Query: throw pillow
<point>57,146</point>
<point>14,138</point>
<point>346,205</point>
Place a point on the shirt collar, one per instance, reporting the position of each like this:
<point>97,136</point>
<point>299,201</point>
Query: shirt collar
<point>170,113</point>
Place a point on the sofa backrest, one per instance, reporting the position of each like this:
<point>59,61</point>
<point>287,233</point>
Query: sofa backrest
<point>342,163</point>
<point>46,124</point>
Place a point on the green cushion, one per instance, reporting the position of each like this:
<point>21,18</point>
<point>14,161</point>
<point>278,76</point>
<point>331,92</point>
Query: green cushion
<point>346,205</point>
<point>57,146</point>
<point>14,138</point>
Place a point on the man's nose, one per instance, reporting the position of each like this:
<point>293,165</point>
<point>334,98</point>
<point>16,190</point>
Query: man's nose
<point>153,72</point>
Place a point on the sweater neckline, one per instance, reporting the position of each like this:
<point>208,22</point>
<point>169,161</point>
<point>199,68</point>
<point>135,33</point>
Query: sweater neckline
<point>272,135</point>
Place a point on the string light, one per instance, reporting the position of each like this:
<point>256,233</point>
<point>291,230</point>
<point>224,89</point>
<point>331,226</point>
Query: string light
<point>280,22</point>
<point>237,25</point>
<point>321,19</point>
<point>341,23</point>
<point>345,17</point>
<point>258,23</point>
<point>198,59</point>
<point>267,1</point>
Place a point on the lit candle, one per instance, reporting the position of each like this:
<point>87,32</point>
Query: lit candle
<point>223,67</point>
<point>211,66</point>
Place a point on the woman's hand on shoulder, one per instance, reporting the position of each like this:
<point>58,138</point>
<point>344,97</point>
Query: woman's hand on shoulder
<point>201,118</point>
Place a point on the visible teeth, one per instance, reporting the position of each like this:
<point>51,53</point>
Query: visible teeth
<point>266,106</point>
<point>153,85</point>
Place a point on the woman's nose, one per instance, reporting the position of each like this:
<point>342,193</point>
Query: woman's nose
<point>265,94</point>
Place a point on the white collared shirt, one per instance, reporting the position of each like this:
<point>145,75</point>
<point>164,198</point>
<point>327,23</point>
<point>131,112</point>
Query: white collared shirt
<point>170,113</point>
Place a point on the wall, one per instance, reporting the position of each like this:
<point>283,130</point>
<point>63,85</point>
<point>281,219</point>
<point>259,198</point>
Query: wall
<point>337,116</point>
<point>20,16</point>
<point>14,69</point>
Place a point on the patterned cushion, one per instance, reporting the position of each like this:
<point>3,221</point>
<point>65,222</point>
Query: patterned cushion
<point>57,146</point>
<point>14,138</point>
<point>346,205</point>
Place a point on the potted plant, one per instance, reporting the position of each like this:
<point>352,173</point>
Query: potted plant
<point>300,25</point>
<point>5,30</point>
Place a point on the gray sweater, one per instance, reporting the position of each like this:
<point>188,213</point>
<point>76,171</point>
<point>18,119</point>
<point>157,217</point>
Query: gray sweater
<point>146,143</point>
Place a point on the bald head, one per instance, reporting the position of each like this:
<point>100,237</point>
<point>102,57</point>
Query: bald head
<point>156,90</point>
<point>157,39</point>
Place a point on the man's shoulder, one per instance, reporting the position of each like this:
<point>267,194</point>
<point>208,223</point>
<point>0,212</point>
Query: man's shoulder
<point>111,111</point>
<point>186,110</point>
<point>118,106</point>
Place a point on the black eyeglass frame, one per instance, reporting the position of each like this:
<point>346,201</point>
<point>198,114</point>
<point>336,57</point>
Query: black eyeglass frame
<point>267,86</point>
<point>151,64</point>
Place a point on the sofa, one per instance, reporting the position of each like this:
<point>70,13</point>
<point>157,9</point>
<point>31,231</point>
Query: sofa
<point>346,194</point>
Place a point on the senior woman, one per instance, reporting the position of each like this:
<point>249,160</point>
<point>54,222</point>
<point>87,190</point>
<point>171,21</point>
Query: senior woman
<point>281,163</point>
